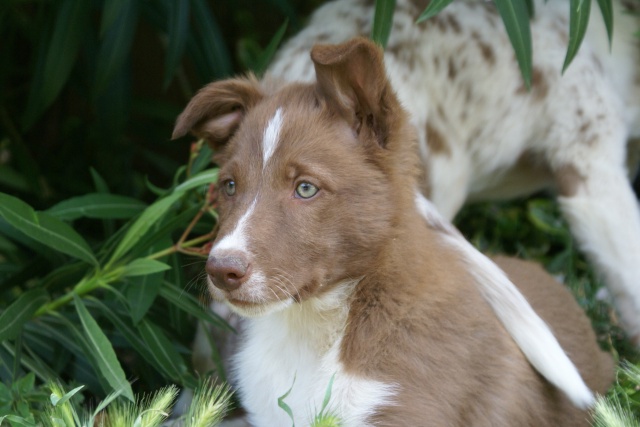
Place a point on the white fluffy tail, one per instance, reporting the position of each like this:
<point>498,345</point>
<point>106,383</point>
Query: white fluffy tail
<point>529,331</point>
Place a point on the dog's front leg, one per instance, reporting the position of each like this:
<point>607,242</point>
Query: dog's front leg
<point>603,213</point>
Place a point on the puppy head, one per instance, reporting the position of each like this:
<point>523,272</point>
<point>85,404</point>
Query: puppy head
<point>310,177</point>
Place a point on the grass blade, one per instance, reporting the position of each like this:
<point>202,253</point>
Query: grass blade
<point>578,21</point>
<point>515,16</point>
<point>383,21</point>
<point>283,405</point>
<point>103,352</point>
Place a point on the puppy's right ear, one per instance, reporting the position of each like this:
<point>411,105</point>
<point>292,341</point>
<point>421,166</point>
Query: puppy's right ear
<point>217,110</point>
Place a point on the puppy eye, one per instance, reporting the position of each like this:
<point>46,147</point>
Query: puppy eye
<point>229,187</point>
<point>304,190</point>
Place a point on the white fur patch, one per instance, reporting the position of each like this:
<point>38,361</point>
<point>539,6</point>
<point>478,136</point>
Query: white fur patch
<point>528,330</point>
<point>237,239</point>
<point>271,137</point>
<point>303,342</point>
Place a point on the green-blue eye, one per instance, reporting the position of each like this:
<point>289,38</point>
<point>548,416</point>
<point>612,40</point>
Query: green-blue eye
<point>304,190</point>
<point>229,187</point>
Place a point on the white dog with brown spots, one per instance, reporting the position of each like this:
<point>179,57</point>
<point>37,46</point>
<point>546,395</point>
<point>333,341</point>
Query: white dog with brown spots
<point>342,269</point>
<point>482,135</point>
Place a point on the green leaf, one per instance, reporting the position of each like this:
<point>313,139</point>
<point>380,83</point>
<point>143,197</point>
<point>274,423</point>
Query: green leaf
<point>142,266</point>
<point>21,311</point>
<point>55,400</point>
<point>215,55</point>
<point>10,178</point>
<point>434,7</point>
<point>149,217</point>
<point>578,21</point>
<point>206,177</point>
<point>116,46</point>
<point>383,21</point>
<point>102,351</point>
<point>286,408</point>
<point>267,55</point>
<point>141,293</point>
<point>177,34</point>
<point>97,205</point>
<point>98,182</point>
<point>69,30</point>
<point>606,8</point>
<point>162,350</point>
<point>125,328</point>
<point>188,303</point>
<point>45,229</point>
<point>19,421</point>
<point>515,16</point>
<point>110,12</point>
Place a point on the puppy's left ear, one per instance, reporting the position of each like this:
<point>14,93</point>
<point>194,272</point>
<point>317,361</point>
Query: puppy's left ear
<point>352,80</point>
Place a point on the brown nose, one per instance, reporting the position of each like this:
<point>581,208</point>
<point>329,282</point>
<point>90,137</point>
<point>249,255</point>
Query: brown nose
<point>228,271</point>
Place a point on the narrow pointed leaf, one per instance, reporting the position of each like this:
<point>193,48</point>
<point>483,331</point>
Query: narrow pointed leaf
<point>17,314</point>
<point>45,229</point>
<point>98,182</point>
<point>267,55</point>
<point>433,9</point>
<point>162,350</point>
<point>578,21</point>
<point>515,16</point>
<point>116,46</point>
<point>141,293</point>
<point>177,34</point>
<point>216,58</point>
<point>120,321</point>
<point>147,219</point>
<point>383,21</point>
<point>206,177</point>
<point>97,205</point>
<point>102,351</point>
<point>55,400</point>
<point>606,8</point>
<point>61,53</point>
<point>110,12</point>
<point>141,267</point>
<point>188,303</point>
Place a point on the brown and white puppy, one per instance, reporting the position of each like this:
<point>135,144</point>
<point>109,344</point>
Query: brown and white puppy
<point>482,135</point>
<point>342,271</point>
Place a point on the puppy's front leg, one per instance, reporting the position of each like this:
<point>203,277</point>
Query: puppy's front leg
<point>603,213</point>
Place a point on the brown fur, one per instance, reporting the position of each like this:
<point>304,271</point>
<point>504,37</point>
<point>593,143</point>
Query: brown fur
<point>416,319</point>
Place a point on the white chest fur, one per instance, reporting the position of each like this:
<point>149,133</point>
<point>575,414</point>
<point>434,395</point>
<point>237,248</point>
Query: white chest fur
<point>303,342</point>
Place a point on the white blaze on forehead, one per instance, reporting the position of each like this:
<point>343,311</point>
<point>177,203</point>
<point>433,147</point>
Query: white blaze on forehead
<point>237,239</point>
<point>271,136</point>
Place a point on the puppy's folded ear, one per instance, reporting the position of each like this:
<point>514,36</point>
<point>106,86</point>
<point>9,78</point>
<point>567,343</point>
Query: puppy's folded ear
<point>351,78</point>
<point>217,110</point>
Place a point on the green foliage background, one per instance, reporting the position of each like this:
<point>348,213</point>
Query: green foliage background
<point>104,221</point>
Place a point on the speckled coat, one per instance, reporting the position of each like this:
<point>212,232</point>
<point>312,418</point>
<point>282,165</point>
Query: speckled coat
<point>482,135</point>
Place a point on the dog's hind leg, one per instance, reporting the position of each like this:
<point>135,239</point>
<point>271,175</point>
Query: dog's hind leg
<point>603,213</point>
